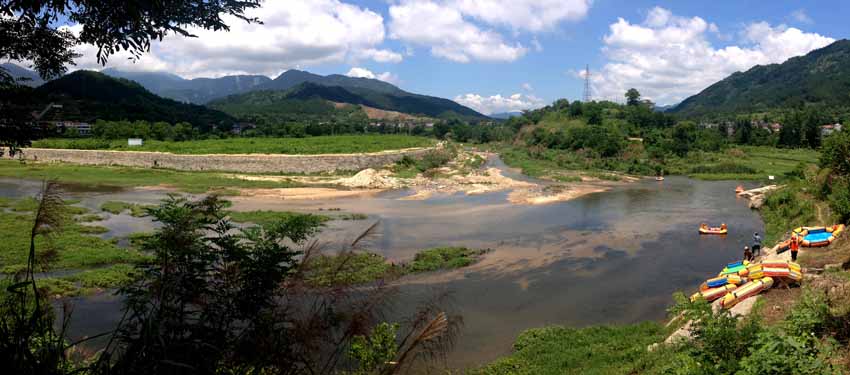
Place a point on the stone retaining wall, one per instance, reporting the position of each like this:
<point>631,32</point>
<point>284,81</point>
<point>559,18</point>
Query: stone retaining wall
<point>248,163</point>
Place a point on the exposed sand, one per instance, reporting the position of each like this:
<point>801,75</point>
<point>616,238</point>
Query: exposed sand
<point>541,197</point>
<point>451,179</point>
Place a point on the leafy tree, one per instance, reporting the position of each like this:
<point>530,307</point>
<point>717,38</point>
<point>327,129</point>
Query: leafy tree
<point>743,131</point>
<point>683,137</point>
<point>835,153</point>
<point>633,97</point>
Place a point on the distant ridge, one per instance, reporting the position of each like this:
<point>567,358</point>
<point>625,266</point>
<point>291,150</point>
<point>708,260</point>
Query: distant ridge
<point>820,77</point>
<point>23,75</point>
<point>88,95</point>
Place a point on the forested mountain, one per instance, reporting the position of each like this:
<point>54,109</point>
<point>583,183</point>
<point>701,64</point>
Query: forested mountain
<point>820,77</point>
<point>292,84</point>
<point>87,95</point>
<point>292,78</point>
<point>198,90</point>
<point>22,75</point>
<point>310,95</point>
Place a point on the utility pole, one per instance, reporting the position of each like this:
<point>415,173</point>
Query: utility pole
<point>587,96</point>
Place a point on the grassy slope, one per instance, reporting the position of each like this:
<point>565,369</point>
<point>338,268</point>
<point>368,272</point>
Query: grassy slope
<point>341,144</point>
<point>192,182</point>
<point>592,350</point>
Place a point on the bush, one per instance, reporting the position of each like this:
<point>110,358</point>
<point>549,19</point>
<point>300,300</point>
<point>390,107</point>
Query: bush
<point>434,159</point>
<point>443,258</point>
<point>835,153</point>
<point>839,199</point>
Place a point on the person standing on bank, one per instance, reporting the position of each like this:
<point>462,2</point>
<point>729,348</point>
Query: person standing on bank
<point>756,244</point>
<point>748,255</point>
<point>795,246</point>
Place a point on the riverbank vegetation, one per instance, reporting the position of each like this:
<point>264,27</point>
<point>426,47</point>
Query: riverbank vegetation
<point>567,139</point>
<point>361,267</point>
<point>808,335</point>
<point>340,144</point>
<point>256,313</point>
<point>129,177</point>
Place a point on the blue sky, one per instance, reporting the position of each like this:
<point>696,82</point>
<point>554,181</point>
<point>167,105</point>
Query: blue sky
<point>497,55</point>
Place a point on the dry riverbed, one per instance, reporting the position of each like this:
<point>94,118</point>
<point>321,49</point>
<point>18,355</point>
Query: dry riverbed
<point>455,177</point>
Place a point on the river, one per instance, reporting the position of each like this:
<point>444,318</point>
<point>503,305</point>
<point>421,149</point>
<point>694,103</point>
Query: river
<point>610,257</point>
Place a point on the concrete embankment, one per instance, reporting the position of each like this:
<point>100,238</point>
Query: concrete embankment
<point>247,163</point>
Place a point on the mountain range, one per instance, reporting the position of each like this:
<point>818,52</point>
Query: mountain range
<point>821,77</point>
<point>300,85</point>
<point>88,95</point>
<point>23,75</point>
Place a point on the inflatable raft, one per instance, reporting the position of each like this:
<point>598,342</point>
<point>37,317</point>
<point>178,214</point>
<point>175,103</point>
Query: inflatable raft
<point>712,294</point>
<point>741,280</point>
<point>746,291</point>
<point>818,236</point>
<point>735,267</point>
<point>705,229</point>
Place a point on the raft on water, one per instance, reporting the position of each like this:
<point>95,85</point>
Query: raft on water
<point>818,236</point>
<point>705,229</point>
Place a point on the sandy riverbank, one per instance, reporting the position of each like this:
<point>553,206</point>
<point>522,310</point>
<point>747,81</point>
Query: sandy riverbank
<point>453,178</point>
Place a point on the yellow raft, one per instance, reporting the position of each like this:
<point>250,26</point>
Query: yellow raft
<point>746,291</point>
<point>705,229</point>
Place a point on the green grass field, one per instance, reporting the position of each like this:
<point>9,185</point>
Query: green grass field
<point>191,182</point>
<point>765,161</point>
<point>341,144</point>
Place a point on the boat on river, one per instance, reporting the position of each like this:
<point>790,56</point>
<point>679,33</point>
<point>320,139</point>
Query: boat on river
<point>705,229</point>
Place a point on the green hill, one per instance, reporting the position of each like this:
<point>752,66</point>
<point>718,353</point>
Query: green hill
<point>88,96</point>
<point>308,98</point>
<point>820,77</point>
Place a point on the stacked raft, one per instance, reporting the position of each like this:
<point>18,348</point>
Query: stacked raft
<point>818,236</point>
<point>741,280</point>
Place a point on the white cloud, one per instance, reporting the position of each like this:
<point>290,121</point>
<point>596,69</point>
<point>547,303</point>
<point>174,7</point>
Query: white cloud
<point>800,16</point>
<point>443,29</point>
<point>297,33</point>
<point>366,73</point>
<point>466,30</point>
<point>498,103</point>
<point>531,15</point>
<point>527,87</point>
<point>668,57</point>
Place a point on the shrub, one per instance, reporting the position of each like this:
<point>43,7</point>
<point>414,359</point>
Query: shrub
<point>434,159</point>
<point>839,199</point>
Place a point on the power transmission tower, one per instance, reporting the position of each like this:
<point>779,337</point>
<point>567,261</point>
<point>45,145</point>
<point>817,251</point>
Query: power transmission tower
<point>587,96</point>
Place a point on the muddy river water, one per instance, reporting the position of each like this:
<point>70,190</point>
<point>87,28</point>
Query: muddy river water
<point>610,257</point>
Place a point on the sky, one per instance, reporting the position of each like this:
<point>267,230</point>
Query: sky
<point>505,55</point>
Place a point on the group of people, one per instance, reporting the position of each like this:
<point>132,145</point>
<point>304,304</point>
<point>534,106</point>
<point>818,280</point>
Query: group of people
<point>750,255</point>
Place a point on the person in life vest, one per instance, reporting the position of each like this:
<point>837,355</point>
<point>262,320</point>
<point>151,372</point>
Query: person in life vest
<point>723,226</point>
<point>795,246</point>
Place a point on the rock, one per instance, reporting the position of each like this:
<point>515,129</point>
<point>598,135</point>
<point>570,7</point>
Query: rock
<point>757,201</point>
<point>370,178</point>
